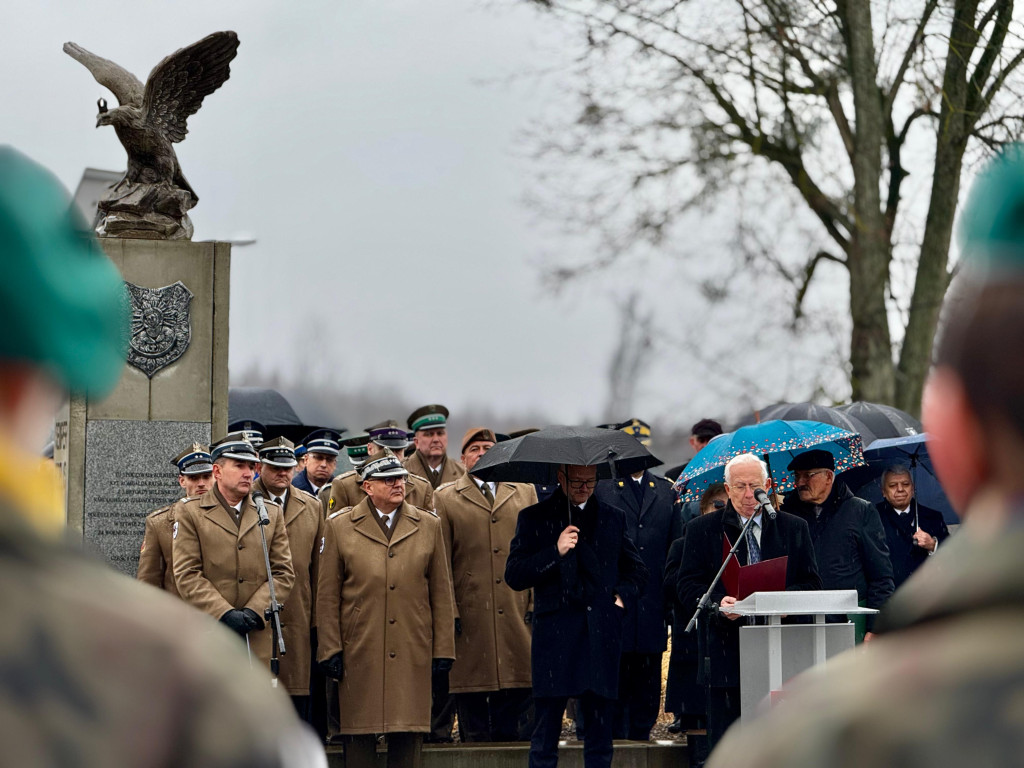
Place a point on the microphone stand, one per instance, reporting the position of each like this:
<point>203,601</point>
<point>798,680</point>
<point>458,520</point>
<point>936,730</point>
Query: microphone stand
<point>703,604</point>
<point>273,613</point>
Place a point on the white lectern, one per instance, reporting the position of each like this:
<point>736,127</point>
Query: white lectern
<point>772,654</point>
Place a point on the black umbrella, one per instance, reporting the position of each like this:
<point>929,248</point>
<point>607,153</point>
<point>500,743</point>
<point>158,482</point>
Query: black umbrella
<point>270,408</point>
<point>881,422</point>
<point>535,458</point>
<point>803,412</point>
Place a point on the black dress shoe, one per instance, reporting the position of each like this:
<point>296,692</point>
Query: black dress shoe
<point>676,726</point>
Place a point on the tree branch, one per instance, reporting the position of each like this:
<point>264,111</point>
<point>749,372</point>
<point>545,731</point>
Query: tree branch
<point>805,283</point>
<point>908,55</point>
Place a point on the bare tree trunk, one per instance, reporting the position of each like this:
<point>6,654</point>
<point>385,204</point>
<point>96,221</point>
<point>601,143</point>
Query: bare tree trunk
<point>932,272</point>
<point>869,253</point>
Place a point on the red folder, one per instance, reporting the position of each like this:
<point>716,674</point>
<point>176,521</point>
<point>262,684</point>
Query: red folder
<point>741,581</point>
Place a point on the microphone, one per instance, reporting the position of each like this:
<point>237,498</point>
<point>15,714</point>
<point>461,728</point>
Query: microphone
<point>762,499</point>
<point>261,509</point>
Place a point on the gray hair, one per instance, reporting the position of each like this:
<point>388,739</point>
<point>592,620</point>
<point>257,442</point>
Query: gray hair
<point>897,469</point>
<point>745,458</point>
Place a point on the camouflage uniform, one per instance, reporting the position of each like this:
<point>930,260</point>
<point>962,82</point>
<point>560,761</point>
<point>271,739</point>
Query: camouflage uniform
<point>941,686</point>
<point>102,671</point>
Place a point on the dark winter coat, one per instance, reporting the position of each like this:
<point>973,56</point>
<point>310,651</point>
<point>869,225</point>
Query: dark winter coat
<point>849,544</point>
<point>683,694</point>
<point>577,628</point>
<point>786,535</point>
<point>653,523</point>
<point>899,529</point>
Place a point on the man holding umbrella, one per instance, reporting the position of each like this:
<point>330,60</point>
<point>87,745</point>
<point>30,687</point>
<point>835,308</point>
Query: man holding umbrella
<point>576,555</point>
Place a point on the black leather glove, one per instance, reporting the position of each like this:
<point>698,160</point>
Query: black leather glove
<point>439,677</point>
<point>236,620</point>
<point>252,619</point>
<point>528,617</point>
<point>458,626</point>
<point>334,666</point>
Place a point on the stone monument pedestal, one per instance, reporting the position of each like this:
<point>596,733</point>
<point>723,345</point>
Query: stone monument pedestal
<point>115,453</point>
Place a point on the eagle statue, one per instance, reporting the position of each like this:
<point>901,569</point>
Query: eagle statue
<point>153,199</point>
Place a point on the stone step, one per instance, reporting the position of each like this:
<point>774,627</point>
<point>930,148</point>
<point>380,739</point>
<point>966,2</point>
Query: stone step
<point>628,754</point>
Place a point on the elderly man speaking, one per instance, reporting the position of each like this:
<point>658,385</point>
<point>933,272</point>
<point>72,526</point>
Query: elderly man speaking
<point>576,555</point>
<point>702,557</point>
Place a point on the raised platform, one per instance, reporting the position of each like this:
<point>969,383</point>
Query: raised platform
<point>628,754</point>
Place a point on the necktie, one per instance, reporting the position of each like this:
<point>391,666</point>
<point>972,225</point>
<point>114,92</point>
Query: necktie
<point>638,492</point>
<point>485,489</point>
<point>279,501</point>
<point>387,521</point>
<point>753,548</point>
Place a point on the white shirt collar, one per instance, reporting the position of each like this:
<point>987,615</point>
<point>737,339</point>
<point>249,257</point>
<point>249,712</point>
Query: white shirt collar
<point>903,511</point>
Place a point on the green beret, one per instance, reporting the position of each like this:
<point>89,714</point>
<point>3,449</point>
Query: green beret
<point>992,221</point>
<point>61,299</point>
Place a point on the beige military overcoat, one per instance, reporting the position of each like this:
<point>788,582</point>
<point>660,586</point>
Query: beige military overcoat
<point>155,563</point>
<point>304,524</point>
<point>346,492</point>
<point>219,565</point>
<point>451,470</point>
<point>388,606</point>
<point>493,651</point>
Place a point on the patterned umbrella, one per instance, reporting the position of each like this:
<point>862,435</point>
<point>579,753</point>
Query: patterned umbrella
<point>777,442</point>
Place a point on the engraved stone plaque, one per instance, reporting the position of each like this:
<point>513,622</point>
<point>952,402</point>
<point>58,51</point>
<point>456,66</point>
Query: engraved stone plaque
<point>161,326</point>
<point>128,474</point>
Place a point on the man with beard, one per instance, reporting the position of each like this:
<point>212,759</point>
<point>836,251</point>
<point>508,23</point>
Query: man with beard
<point>195,473</point>
<point>322,451</point>
<point>490,680</point>
<point>385,616</point>
<point>575,554</point>
<point>219,565</point>
<point>782,536</point>
<point>303,524</point>
<point>912,532</point>
<point>429,426</point>
<point>849,542</point>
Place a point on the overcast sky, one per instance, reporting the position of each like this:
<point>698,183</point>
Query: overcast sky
<point>370,147</point>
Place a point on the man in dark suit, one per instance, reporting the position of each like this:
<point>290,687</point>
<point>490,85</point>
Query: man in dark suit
<point>575,553</point>
<point>785,535</point>
<point>653,522</point>
<point>912,532</point>
<point>322,451</point>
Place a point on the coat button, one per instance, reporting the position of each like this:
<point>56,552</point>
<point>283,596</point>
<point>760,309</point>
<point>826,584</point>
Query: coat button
<point>241,546</point>
<point>494,519</point>
<point>392,654</point>
<point>641,525</point>
<point>589,608</point>
<point>495,550</point>
<point>641,548</point>
<point>497,581</point>
<point>241,581</point>
<point>501,611</point>
<point>391,621</point>
<point>391,586</point>
<point>390,553</point>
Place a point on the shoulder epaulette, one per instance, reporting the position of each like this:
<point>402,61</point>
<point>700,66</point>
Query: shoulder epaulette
<point>339,512</point>
<point>431,512</point>
<point>346,474</point>
<point>161,510</point>
<point>442,486</point>
<point>419,477</point>
<point>310,495</point>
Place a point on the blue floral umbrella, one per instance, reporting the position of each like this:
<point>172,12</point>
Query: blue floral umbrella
<point>776,442</point>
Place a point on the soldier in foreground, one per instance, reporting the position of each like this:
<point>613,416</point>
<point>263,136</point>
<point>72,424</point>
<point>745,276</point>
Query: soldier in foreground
<point>99,670</point>
<point>943,682</point>
<point>195,473</point>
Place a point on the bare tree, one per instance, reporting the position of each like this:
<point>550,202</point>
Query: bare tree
<point>838,101</point>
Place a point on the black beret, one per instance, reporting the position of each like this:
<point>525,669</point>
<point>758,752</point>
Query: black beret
<point>816,459</point>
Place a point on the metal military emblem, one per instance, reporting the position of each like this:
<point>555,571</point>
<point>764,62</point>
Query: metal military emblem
<point>161,327</point>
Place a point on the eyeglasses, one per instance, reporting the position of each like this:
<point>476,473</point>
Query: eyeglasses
<point>580,484</point>
<point>388,481</point>
<point>744,487</point>
<point>804,475</point>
